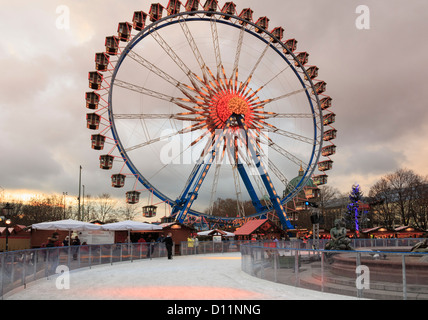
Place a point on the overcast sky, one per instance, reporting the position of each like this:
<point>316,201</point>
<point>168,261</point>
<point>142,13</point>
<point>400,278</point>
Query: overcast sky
<point>376,78</point>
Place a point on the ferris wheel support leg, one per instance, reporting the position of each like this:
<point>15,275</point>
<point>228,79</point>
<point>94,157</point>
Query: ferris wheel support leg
<point>273,195</point>
<point>248,185</point>
<point>191,193</point>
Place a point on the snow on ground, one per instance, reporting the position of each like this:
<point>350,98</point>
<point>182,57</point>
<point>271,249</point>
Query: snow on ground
<point>199,277</point>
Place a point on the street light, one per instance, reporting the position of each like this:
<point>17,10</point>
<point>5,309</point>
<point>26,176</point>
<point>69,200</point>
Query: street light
<point>7,212</point>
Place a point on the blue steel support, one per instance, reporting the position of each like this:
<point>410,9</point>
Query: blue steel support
<point>276,201</point>
<point>248,185</point>
<point>190,193</point>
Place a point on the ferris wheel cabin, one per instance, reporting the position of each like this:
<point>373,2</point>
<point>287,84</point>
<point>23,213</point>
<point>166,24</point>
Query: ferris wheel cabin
<point>312,72</point>
<point>247,15</point>
<point>124,31</point>
<point>92,100</point>
<point>328,151</point>
<point>112,45</point>
<point>132,197</point>
<point>330,135</point>
<point>325,165</point>
<point>278,33</point>
<point>101,61</point>
<point>291,45</point>
<point>229,8</point>
<point>156,11</point>
<point>263,23</point>
<point>329,118</point>
<point>139,20</point>
<point>326,103</point>
<point>320,87</point>
<point>98,141</point>
<point>149,211</point>
<point>173,7</point>
<point>95,79</point>
<point>106,162</point>
<point>118,180</point>
<point>93,121</point>
<point>192,5</point>
<point>211,6</point>
<point>303,58</point>
<point>320,179</point>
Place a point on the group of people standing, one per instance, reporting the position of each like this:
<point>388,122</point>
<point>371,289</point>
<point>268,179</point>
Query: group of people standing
<point>53,241</point>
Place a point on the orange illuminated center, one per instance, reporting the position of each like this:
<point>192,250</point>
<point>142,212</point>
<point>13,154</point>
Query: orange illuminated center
<point>229,104</point>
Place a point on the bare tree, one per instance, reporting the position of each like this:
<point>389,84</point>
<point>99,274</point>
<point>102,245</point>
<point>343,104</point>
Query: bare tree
<point>399,197</point>
<point>129,211</point>
<point>106,207</point>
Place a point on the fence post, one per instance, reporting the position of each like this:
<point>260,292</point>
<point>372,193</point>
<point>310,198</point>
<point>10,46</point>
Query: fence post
<point>322,271</point>
<point>90,256</point>
<point>275,264</point>
<point>296,268</point>
<point>404,277</point>
<point>358,263</point>
<point>2,273</point>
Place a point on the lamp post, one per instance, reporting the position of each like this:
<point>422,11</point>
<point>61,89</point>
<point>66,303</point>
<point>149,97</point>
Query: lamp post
<point>7,212</point>
<point>64,194</point>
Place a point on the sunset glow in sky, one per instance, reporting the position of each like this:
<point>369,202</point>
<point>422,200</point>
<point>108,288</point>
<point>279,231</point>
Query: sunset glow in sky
<point>376,78</point>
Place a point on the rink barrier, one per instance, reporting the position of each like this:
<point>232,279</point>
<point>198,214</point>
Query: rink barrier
<point>18,268</point>
<point>381,269</point>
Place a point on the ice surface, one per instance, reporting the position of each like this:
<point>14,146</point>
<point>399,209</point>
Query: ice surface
<point>198,277</point>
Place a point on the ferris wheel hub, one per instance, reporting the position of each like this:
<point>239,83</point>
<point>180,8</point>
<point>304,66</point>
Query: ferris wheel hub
<point>225,103</point>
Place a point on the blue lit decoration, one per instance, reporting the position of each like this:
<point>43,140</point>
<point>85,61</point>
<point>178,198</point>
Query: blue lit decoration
<point>354,215</point>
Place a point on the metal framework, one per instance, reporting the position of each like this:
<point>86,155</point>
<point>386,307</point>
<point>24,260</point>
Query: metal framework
<point>234,114</point>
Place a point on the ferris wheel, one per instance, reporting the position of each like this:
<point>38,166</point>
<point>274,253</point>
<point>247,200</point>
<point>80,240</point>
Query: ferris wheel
<point>198,103</point>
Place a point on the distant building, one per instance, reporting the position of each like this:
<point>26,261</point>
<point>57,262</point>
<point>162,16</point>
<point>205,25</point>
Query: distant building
<point>296,209</point>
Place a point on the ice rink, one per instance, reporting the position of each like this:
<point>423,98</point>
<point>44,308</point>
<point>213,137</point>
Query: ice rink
<point>198,277</point>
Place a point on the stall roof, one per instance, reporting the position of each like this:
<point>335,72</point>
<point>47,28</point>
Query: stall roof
<point>250,227</point>
<point>67,225</point>
<point>216,232</point>
<point>131,225</point>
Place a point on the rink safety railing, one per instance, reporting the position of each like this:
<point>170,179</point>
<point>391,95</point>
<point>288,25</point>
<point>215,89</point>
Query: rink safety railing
<point>290,262</point>
<point>18,268</point>
<point>381,269</point>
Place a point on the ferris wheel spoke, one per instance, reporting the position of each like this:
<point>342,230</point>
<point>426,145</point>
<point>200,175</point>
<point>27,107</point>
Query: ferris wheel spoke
<point>195,50</point>
<point>178,101</point>
<point>194,79</point>
<point>286,153</point>
<point>244,85</point>
<point>267,83</point>
<point>159,72</point>
<point>234,74</point>
<point>284,96</point>
<point>218,167</point>
<point>220,67</point>
<point>278,173</point>
<point>271,128</point>
<point>165,137</point>
<point>271,165</point>
<point>268,115</point>
<point>154,116</point>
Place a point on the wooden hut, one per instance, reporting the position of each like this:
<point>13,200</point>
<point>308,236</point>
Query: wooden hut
<point>262,229</point>
<point>180,232</point>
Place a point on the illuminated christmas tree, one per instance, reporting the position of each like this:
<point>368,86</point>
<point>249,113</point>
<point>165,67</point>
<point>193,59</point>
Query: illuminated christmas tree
<point>355,214</point>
